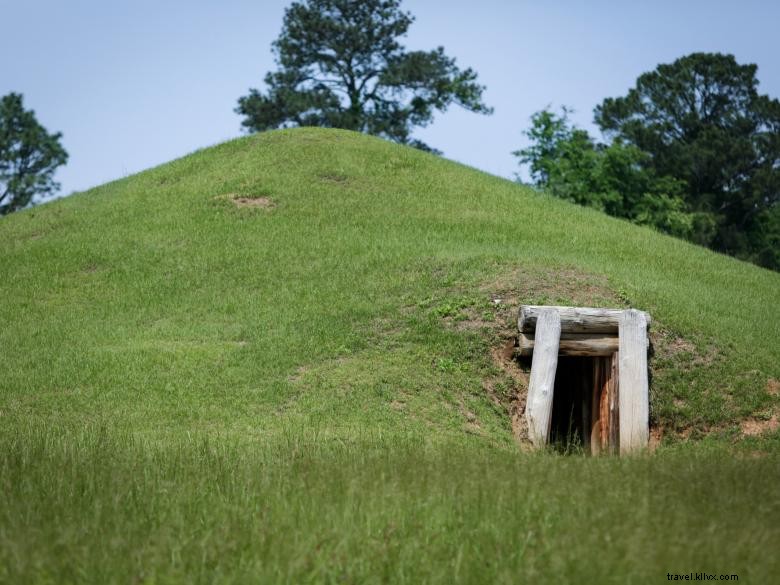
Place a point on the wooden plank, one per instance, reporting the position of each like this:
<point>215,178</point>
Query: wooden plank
<point>634,397</point>
<point>575,344</point>
<point>603,423</point>
<point>595,422</point>
<point>604,402</point>
<point>538,409</point>
<point>614,389</point>
<point>573,319</point>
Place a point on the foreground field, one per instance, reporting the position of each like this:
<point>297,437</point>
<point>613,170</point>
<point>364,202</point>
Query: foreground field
<point>96,506</point>
<point>284,359</point>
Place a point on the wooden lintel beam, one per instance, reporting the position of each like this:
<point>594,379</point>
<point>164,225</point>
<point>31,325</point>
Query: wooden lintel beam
<point>574,319</point>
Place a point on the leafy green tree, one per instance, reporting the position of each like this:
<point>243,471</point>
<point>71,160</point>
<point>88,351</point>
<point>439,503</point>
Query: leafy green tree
<point>29,155</point>
<point>548,135</point>
<point>701,120</point>
<point>568,163</point>
<point>340,64</point>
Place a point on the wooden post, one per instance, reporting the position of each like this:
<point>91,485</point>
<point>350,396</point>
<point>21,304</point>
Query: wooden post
<point>538,411</point>
<point>633,398</point>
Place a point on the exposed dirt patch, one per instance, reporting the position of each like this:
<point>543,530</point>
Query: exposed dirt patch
<point>334,178</point>
<point>472,428</point>
<point>773,387</point>
<point>299,374</point>
<point>260,202</point>
<point>303,371</point>
<point>656,436</point>
<point>244,201</point>
<point>397,405</point>
<point>471,325</point>
<point>684,433</point>
<point>678,344</point>
<point>503,357</point>
<point>472,422</point>
<point>753,427</point>
<point>506,352</point>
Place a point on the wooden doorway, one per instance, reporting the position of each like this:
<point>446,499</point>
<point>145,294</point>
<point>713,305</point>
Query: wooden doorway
<point>589,377</point>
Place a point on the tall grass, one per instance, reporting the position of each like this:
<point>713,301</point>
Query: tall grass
<point>101,506</point>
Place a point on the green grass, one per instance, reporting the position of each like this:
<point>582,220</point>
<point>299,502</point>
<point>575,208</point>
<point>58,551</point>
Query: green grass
<point>270,369</point>
<point>96,507</point>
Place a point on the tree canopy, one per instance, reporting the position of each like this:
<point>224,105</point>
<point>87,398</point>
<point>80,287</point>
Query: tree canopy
<point>613,178</point>
<point>29,155</point>
<point>693,150</point>
<point>340,64</point>
<point>701,120</point>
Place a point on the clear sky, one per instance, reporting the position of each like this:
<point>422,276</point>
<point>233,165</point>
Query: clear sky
<point>135,83</point>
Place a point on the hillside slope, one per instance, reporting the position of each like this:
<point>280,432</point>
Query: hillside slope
<point>287,359</point>
<point>361,300</point>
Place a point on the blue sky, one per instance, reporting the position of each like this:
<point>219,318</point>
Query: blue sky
<point>132,84</point>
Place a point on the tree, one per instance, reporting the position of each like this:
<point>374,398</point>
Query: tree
<point>702,121</point>
<point>28,156</point>
<point>340,65</point>
<point>568,163</point>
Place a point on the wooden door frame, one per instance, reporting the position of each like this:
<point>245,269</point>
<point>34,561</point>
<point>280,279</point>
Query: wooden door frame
<point>588,332</point>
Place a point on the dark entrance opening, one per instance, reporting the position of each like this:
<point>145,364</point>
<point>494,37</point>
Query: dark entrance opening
<point>584,410</point>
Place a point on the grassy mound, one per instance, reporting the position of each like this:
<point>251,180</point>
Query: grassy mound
<point>319,291</point>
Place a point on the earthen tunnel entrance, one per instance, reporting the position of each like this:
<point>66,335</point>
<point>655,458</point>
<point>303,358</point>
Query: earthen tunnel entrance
<point>584,409</point>
<point>589,382</point>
